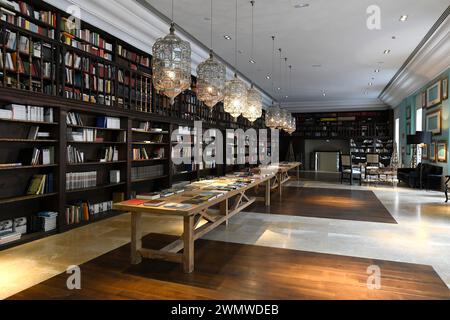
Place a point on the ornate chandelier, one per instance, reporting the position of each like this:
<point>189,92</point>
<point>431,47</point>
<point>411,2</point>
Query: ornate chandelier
<point>272,116</point>
<point>171,64</point>
<point>211,77</point>
<point>235,98</point>
<point>253,109</point>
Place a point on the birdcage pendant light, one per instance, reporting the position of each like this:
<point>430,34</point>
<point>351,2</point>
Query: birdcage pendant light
<point>211,76</point>
<point>171,64</point>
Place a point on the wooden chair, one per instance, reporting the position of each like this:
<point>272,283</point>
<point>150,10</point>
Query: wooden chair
<point>372,166</point>
<point>349,171</point>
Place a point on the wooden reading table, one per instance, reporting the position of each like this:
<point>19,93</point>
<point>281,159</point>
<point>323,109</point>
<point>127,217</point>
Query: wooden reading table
<point>230,203</point>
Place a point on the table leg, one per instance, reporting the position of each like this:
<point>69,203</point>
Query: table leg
<point>224,210</point>
<point>136,237</point>
<point>280,185</point>
<point>188,240</point>
<point>267,197</point>
<point>298,175</point>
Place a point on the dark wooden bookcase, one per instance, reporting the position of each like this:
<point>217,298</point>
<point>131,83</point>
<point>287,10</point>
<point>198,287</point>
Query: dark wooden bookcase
<point>98,77</point>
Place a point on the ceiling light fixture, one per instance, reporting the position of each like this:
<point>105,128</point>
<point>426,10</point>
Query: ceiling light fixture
<point>387,51</point>
<point>235,97</point>
<point>377,70</point>
<point>370,84</point>
<point>403,18</point>
<point>301,5</point>
<point>227,37</point>
<point>253,108</point>
<point>171,64</point>
<point>211,75</point>
<point>268,77</point>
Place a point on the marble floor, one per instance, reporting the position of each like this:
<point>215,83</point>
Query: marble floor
<point>421,236</point>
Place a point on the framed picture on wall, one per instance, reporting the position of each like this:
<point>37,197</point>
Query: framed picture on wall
<point>445,89</point>
<point>424,99</point>
<point>432,152</point>
<point>441,151</point>
<point>434,94</point>
<point>434,122</point>
<point>425,152</point>
<point>408,112</point>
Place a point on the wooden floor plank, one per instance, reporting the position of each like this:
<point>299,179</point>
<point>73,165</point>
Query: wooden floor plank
<point>357,205</point>
<point>238,271</point>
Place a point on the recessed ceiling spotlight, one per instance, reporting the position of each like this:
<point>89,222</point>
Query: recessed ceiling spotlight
<point>324,94</point>
<point>377,70</point>
<point>316,65</point>
<point>207,19</point>
<point>301,5</point>
<point>252,61</point>
<point>387,51</point>
<point>403,18</point>
<point>394,37</point>
<point>268,77</point>
<point>227,37</point>
<point>278,88</point>
<point>370,84</point>
<point>240,51</point>
<point>286,97</point>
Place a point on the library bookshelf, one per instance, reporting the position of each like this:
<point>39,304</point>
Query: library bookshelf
<point>93,75</point>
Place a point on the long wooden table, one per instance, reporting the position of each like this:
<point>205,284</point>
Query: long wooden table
<point>230,204</point>
<point>282,174</point>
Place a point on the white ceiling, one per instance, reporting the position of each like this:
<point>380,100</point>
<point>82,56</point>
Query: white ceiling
<point>329,33</point>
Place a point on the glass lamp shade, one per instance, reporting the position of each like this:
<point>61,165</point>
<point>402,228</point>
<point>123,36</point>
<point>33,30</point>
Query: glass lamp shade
<point>253,109</point>
<point>171,65</point>
<point>235,99</point>
<point>272,116</point>
<point>210,81</point>
<point>283,120</point>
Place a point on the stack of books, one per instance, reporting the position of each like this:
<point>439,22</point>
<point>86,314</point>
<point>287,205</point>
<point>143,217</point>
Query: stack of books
<point>49,220</point>
<point>9,236</point>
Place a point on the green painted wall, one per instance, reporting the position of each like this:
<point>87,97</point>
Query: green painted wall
<point>411,102</point>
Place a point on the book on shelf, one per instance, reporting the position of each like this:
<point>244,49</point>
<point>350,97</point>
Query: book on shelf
<point>41,184</point>
<point>38,156</point>
<point>108,122</point>
<point>74,155</point>
<point>108,154</point>
<point>114,176</point>
<point>29,113</point>
<point>20,225</point>
<point>74,119</point>
<point>83,135</point>
<point>81,180</point>
<point>147,172</point>
<point>83,211</point>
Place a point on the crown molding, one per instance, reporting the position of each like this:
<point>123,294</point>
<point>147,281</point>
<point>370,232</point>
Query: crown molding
<point>134,23</point>
<point>427,62</point>
<point>335,106</point>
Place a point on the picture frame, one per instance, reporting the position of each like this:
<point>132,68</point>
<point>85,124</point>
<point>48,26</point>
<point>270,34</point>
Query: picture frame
<point>434,122</point>
<point>445,89</point>
<point>432,152</point>
<point>408,112</point>
<point>434,94</point>
<point>424,99</point>
<point>441,151</point>
<point>424,152</point>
